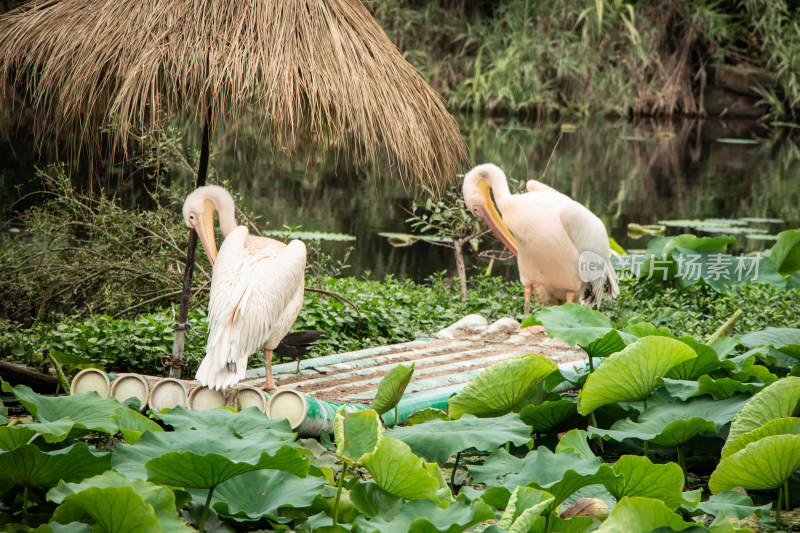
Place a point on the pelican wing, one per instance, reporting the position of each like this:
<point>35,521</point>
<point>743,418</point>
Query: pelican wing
<point>253,283</point>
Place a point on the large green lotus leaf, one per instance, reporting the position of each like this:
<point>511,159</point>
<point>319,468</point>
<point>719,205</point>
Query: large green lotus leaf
<point>391,388</point>
<point>426,415</point>
<point>706,361</point>
<point>371,501</point>
<point>207,470</point>
<point>246,422</point>
<point>525,506</point>
<point>635,513</point>
<point>560,474</point>
<point>640,477</point>
<point>121,505</point>
<point>261,493</point>
<point>132,424</point>
<point>498,388</point>
<point>611,342</point>
<point>785,253</point>
<point>206,450</point>
<point>87,411</point>
<point>761,465</point>
<point>356,434</point>
<point>576,524</point>
<point>440,440</point>
<point>733,505</point>
<point>646,329</point>
<point>681,388</point>
<point>775,337</point>
<point>496,466</point>
<point>545,417</point>
<point>13,436</point>
<point>575,441</point>
<point>779,426</point>
<point>27,465</point>
<point>674,423</point>
<point>777,400</point>
<point>726,387</point>
<point>633,373</point>
<point>424,516</point>
<point>693,242</point>
<point>396,469</point>
<point>574,324</point>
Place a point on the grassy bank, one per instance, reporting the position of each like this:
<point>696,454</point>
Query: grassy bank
<point>537,58</point>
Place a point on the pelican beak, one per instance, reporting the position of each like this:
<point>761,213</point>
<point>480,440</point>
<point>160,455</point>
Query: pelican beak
<point>489,213</point>
<point>205,230</point>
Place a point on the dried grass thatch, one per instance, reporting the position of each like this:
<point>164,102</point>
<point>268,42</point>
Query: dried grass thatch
<point>321,71</point>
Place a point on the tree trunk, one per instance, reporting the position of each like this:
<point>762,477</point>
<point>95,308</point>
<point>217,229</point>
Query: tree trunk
<point>460,270</point>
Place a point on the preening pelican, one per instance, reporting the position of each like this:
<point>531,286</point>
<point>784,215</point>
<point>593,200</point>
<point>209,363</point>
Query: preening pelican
<point>256,289</point>
<point>561,247</point>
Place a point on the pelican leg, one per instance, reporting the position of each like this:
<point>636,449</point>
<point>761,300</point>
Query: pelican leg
<point>298,366</point>
<point>528,292</point>
<point>573,296</point>
<point>269,383</point>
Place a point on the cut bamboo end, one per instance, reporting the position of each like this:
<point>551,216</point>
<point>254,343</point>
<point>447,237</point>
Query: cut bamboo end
<point>167,393</point>
<point>131,386</point>
<point>245,397</point>
<point>91,379</point>
<point>307,415</point>
<point>202,399</point>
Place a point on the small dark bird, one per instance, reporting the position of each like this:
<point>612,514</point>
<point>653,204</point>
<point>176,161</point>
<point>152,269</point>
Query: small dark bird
<point>297,344</point>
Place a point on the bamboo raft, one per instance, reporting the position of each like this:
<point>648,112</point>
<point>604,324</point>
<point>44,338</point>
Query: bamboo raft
<point>444,363</point>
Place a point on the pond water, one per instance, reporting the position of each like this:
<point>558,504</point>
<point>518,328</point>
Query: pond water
<point>625,172</point>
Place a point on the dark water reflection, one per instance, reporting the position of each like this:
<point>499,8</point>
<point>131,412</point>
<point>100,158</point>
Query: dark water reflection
<point>624,172</point>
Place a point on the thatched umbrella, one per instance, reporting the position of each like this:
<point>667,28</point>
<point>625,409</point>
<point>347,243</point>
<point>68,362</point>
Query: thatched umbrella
<point>322,72</point>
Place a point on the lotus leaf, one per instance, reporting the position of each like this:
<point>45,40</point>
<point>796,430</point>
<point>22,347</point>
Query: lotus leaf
<point>547,416</point>
<point>496,466</point>
<point>87,411</point>
<point>778,400</point>
<point>635,513</point>
<point>785,253</point>
<point>29,466</point>
<point>440,440</point>
<point>391,388</point>
<point>633,373</point>
<point>245,422</point>
<point>726,387</point>
<point>261,493</point>
<point>774,337</point>
<point>762,465</point>
<point>733,505</point>
<point>640,477</point>
<point>574,324</point>
<point>424,516</point>
<point>133,424</point>
<point>525,506</point>
<point>396,469</point>
<point>426,415</point>
<point>56,527</point>
<point>203,458</point>
<point>674,423</point>
<point>498,388</point>
<point>121,505</point>
<point>356,434</point>
<point>706,361</point>
<point>575,440</point>
<point>13,436</point>
<point>560,474</point>
<point>778,426</point>
<point>372,501</point>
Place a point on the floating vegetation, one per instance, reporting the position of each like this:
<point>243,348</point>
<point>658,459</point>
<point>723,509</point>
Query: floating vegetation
<point>731,226</point>
<point>638,230</point>
<point>732,140</point>
<point>311,235</point>
<point>763,220</point>
<point>406,239</point>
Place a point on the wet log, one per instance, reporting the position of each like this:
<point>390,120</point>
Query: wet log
<point>17,375</point>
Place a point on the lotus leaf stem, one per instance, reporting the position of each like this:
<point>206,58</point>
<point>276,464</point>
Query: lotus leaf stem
<point>204,514</point>
<point>778,508</point>
<point>786,493</point>
<point>725,329</point>
<point>453,475</point>
<point>338,494</point>
<point>396,418</point>
<point>25,500</point>
<point>597,440</point>
<point>682,463</point>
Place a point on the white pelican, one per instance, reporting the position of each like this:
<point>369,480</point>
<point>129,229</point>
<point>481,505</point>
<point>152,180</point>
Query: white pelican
<point>561,247</point>
<point>256,289</point>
